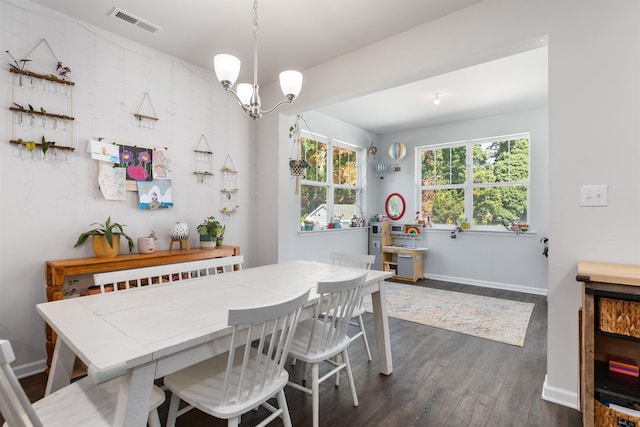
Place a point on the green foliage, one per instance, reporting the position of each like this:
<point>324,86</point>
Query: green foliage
<point>211,227</point>
<point>493,163</point>
<point>108,230</point>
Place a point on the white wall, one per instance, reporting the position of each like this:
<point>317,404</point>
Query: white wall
<point>294,244</point>
<point>594,105</point>
<point>501,260</point>
<point>46,205</point>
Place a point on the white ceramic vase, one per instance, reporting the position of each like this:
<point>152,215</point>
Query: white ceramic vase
<point>146,245</point>
<point>179,231</point>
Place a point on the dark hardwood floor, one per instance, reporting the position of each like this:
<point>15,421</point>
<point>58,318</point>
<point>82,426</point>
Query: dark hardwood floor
<point>440,378</point>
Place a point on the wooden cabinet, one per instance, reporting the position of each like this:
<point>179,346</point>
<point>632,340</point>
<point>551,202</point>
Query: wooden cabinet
<point>406,263</point>
<point>608,331</point>
<point>56,271</point>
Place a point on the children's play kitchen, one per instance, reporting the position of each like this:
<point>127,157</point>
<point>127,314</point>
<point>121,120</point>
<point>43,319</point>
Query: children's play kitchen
<point>398,248</point>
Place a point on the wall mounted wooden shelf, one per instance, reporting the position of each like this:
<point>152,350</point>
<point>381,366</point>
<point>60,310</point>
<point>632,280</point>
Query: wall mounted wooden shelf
<point>58,147</point>
<point>41,76</point>
<point>40,113</point>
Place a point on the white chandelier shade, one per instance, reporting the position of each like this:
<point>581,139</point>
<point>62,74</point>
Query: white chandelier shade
<point>227,68</point>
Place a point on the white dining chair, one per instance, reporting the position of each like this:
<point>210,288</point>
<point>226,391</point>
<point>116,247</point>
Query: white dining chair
<point>356,261</point>
<point>166,273</point>
<point>249,374</point>
<point>82,403</point>
<point>324,336</point>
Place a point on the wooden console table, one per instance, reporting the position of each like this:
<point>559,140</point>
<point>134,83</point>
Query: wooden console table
<point>56,271</point>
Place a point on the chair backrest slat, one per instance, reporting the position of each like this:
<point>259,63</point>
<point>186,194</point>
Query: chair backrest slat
<point>352,260</point>
<point>336,304</point>
<point>166,273</point>
<point>265,333</point>
<point>14,404</point>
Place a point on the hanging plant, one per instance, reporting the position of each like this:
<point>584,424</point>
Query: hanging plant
<point>298,167</point>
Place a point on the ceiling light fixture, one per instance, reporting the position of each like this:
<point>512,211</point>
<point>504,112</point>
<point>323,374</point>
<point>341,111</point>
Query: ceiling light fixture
<point>227,69</point>
<point>436,99</point>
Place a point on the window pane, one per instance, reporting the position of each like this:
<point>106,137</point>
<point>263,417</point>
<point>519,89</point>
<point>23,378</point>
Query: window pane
<point>428,167</point>
<point>502,161</point>
<point>495,205</point>
<point>344,203</point>
<point>344,166</point>
<point>443,206</point>
<point>313,203</point>
<point>451,165</point>
<point>315,152</point>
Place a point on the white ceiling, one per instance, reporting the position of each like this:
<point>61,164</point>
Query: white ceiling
<point>298,34</point>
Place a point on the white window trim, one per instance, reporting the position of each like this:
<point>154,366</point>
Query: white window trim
<point>360,174</point>
<point>469,186</point>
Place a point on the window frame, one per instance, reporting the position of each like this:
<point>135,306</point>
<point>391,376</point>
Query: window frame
<point>329,185</point>
<point>469,185</point>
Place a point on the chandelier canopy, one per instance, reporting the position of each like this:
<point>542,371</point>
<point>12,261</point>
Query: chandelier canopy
<point>227,69</point>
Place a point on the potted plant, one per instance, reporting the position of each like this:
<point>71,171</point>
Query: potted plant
<point>209,230</point>
<point>220,235</point>
<point>106,238</point>
<point>298,167</point>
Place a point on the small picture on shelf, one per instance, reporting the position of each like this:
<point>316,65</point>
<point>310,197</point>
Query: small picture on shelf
<point>155,195</point>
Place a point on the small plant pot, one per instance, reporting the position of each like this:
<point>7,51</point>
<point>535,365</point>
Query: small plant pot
<point>465,225</point>
<point>219,241</point>
<point>206,243</point>
<point>146,245</point>
<point>102,249</point>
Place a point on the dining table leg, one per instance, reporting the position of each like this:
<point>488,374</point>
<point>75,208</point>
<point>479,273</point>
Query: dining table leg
<point>61,369</point>
<point>381,323</point>
<point>132,407</point>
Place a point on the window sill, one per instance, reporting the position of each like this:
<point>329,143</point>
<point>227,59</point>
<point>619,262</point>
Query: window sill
<point>496,232</point>
<point>332,230</point>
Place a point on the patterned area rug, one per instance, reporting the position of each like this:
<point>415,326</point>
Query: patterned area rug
<point>485,317</point>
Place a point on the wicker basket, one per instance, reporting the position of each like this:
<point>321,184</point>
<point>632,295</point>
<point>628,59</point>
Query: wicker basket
<point>607,417</point>
<point>619,317</point>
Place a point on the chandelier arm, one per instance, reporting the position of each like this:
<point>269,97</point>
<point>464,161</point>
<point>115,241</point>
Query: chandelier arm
<point>244,106</point>
<point>289,99</point>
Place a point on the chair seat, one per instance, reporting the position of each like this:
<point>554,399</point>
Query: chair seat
<point>84,403</point>
<point>300,343</point>
<point>202,384</point>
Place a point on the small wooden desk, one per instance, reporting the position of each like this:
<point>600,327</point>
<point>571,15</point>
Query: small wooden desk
<point>56,271</point>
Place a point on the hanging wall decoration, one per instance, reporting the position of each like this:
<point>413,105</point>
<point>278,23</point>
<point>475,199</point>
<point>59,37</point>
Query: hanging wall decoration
<point>41,105</point>
<point>397,151</point>
<point>297,165</point>
<point>147,119</point>
<point>229,188</point>
<point>160,162</point>
<point>203,160</point>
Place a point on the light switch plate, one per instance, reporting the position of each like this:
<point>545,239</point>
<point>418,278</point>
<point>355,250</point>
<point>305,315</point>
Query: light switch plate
<point>594,195</point>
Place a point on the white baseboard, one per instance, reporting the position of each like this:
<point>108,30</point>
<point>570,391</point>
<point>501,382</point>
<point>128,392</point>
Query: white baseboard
<point>560,396</point>
<point>485,284</point>
<point>29,369</point>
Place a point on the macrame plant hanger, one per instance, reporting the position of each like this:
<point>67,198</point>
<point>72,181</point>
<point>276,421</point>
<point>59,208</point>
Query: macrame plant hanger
<point>297,166</point>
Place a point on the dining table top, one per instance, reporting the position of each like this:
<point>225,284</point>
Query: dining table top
<point>120,330</point>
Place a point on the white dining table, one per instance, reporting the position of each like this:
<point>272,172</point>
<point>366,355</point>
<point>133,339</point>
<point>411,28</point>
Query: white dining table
<point>147,333</point>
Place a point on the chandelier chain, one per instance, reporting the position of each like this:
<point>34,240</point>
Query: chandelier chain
<point>255,16</point>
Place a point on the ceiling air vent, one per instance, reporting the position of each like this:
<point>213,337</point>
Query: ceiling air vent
<point>134,20</point>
